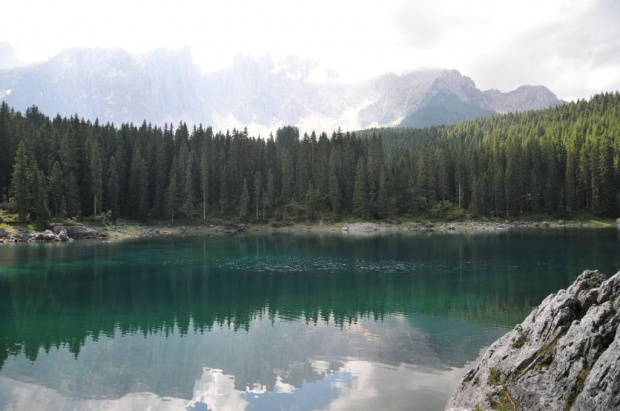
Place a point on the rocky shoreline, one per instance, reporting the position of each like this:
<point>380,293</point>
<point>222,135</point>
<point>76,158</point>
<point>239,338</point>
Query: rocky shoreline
<point>69,232</point>
<point>59,232</point>
<point>564,356</point>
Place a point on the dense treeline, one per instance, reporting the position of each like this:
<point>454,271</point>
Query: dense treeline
<point>561,161</point>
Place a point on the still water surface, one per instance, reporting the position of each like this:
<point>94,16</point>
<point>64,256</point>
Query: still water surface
<point>271,322</point>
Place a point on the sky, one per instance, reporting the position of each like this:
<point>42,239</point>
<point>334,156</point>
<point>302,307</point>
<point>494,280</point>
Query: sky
<point>570,46</point>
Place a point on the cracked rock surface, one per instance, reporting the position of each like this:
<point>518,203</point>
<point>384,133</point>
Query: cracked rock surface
<point>564,356</point>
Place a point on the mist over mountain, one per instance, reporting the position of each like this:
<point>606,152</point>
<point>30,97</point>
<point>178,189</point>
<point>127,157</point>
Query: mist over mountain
<point>166,86</point>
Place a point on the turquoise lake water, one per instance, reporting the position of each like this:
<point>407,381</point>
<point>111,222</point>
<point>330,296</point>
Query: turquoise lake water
<point>304,322</point>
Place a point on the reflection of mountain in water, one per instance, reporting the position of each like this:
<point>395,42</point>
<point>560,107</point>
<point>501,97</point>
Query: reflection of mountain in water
<point>149,316</point>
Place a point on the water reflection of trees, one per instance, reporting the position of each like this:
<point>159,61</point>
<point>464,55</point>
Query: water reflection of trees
<point>59,296</point>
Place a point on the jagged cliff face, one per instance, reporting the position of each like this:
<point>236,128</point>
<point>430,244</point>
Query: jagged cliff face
<point>564,356</point>
<point>166,86</point>
<point>111,85</point>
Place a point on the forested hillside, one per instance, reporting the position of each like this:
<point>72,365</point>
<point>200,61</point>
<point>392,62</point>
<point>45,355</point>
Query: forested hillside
<point>562,161</point>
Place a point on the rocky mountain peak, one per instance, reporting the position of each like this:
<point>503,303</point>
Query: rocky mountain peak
<point>260,93</point>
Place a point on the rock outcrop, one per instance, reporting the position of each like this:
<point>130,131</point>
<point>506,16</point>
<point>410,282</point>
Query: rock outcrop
<point>76,232</point>
<point>564,356</point>
<point>47,235</point>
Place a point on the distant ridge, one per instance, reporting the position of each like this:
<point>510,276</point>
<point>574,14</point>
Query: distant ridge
<point>166,86</point>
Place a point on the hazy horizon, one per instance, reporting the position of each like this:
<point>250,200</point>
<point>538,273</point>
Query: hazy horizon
<point>568,46</point>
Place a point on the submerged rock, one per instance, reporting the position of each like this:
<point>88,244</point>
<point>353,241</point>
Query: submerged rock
<point>564,356</point>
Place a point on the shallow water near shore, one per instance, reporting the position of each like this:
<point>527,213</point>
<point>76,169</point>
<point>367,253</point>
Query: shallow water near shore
<point>271,321</point>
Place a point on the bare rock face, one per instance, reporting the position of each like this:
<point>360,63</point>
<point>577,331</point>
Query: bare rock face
<point>564,356</point>
<point>165,86</point>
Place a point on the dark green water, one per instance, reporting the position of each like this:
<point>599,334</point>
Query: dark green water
<point>270,322</point>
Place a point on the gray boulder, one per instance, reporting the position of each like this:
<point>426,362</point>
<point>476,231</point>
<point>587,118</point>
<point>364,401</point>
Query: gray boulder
<point>23,237</point>
<point>77,232</point>
<point>47,235</point>
<point>3,233</point>
<point>62,235</point>
<point>564,356</point>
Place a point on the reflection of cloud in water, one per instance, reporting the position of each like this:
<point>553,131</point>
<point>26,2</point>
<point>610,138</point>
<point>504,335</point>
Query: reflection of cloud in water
<point>355,385</point>
<point>215,391</point>
<point>275,364</point>
<point>20,395</point>
<point>375,383</point>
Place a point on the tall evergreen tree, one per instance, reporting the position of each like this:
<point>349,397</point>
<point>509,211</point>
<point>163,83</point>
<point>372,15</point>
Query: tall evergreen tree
<point>56,188</point>
<point>20,188</point>
<point>172,192</point>
<point>39,209</point>
<point>96,177</point>
<point>245,200</point>
<point>113,188</point>
<point>360,193</point>
<point>70,167</point>
<point>204,180</point>
<point>258,191</point>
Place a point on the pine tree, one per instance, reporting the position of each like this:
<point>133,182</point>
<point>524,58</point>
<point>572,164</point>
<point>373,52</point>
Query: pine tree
<point>271,190</point>
<point>258,191</point>
<point>245,200</point>
<point>360,194</point>
<point>113,188</point>
<point>70,168</point>
<point>96,177</point>
<point>423,190</point>
<point>39,209</point>
<point>56,188</point>
<point>19,180</point>
<point>383,201</point>
<point>312,201</point>
<point>288,176</point>
<point>335,195</point>
<point>266,204</point>
<point>171,193</point>
<point>189,189</point>
<point>204,180</point>
<point>143,190</point>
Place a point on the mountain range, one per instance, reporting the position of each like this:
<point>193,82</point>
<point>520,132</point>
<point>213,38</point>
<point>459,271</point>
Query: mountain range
<point>166,86</point>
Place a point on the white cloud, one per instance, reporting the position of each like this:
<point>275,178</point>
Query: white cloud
<point>568,45</point>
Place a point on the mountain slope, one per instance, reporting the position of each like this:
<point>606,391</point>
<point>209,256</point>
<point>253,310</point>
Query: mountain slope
<point>166,86</point>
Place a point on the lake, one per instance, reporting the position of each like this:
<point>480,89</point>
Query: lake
<point>271,322</point>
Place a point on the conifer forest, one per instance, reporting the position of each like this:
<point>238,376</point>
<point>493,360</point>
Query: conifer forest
<point>562,162</point>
